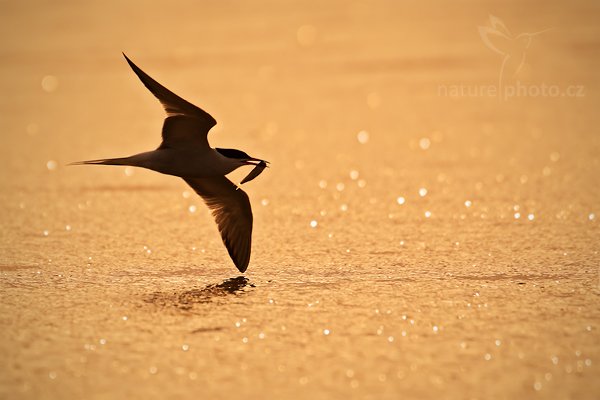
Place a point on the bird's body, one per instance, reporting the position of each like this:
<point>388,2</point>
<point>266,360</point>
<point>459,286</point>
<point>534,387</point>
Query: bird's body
<point>185,152</point>
<point>192,162</point>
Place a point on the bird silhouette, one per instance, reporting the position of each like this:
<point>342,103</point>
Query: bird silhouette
<point>186,153</point>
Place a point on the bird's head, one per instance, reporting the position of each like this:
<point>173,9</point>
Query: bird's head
<point>239,156</point>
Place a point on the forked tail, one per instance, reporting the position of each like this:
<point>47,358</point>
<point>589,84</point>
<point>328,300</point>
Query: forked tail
<point>104,161</point>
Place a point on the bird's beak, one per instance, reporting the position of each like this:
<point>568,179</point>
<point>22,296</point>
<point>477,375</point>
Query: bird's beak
<point>255,161</point>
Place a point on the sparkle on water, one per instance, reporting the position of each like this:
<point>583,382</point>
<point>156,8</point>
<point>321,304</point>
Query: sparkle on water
<point>354,174</point>
<point>362,137</point>
<point>546,171</point>
<point>424,143</point>
<point>51,165</point>
<point>427,214</point>
<point>401,200</point>
<point>468,203</point>
<point>192,208</point>
<point>423,192</point>
<point>313,223</point>
<point>49,83</point>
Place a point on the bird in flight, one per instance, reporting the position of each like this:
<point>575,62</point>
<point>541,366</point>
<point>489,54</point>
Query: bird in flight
<point>185,152</point>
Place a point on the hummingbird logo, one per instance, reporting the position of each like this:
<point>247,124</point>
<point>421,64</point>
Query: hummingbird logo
<point>513,49</point>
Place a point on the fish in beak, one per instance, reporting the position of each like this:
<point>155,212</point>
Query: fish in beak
<point>258,169</point>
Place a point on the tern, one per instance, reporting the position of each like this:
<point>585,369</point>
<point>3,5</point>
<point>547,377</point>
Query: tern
<point>185,152</point>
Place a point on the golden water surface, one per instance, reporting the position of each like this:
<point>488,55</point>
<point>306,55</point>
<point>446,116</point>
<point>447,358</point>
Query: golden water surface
<point>429,226</point>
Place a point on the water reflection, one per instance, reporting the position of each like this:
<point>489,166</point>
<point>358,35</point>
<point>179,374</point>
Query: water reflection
<point>186,300</point>
<point>229,286</point>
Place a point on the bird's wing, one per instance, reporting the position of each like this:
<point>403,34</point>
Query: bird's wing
<point>185,124</point>
<point>231,208</point>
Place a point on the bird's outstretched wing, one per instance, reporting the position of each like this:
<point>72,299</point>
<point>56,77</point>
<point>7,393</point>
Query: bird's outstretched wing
<point>231,208</point>
<point>185,124</point>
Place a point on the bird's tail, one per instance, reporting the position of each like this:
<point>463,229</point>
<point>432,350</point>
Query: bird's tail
<point>104,161</point>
